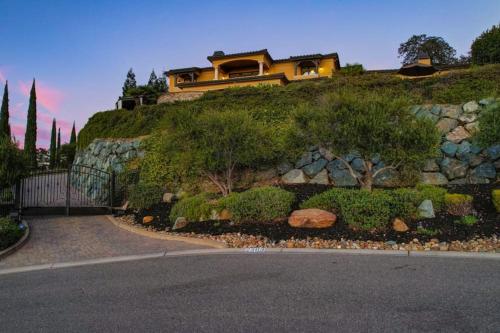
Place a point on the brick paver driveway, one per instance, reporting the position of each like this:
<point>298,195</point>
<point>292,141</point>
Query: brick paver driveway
<point>64,239</point>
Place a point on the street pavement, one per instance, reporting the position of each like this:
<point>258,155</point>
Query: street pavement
<point>258,292</point>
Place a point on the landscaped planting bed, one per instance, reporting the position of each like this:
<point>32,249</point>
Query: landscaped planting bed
<point>10,232</point>
<point>443,232</point>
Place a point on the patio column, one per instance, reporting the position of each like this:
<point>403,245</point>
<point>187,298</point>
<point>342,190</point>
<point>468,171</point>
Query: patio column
<point>261,68</point>
<point>216,73</point>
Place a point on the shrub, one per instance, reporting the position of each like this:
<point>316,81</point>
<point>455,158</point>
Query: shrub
<point>427,231</point>
<point>467,220</point>
<point>489,126</point>
<point>458,204</point>
<point>495,197</point>
<point>261,204</point>
<point>144,196</point>
<point>360,209</point>
<point>9,232</point>
<point>195,208</point>
<point>433,193</point>
<point>367,211</point>
<point>13,163</point>
<point>330,200</point>
<point>405,202</point>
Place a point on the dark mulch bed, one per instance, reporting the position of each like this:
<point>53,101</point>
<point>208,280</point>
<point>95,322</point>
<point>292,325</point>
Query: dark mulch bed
<point>487,225</point>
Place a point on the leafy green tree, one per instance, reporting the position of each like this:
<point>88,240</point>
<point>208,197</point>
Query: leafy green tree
<point>486,48</point>
<point>67,154</point>
<point>152,79</point>
<point>369,124</point>
<point>215,145</point>
<point>4,113</point>
<point>130,82</point>
<point>436,48</point>
<point>53,148</point>
<point>489,126</point>
<point>31,128</point>
<point>72,139</point>
<point>161,84</point>
<point>13,162</point>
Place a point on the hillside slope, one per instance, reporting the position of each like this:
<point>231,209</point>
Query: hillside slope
<point>275,103</point>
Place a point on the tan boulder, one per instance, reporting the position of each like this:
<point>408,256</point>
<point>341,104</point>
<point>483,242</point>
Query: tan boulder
<point>399,225</point>
<point>458,135</point>
<point>147,219</point>
<point>312,218</point>
<point>225,215</point>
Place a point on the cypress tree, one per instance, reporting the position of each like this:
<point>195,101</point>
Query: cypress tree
<point>4,113</point>
<point>72,139</point>
<point>152,79</point>
<point>52,150</point>
<point>30,135</point>
<point>129,82</point>
<point>58,153</point>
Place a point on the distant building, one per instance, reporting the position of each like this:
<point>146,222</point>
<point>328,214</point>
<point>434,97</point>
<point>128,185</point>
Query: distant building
<point>422,67</point>
<point>250,69</point>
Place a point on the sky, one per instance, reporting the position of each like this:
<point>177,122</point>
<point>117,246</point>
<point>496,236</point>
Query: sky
<point>80,51</point>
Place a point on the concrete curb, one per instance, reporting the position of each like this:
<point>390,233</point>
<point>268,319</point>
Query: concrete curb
<point>13,248</point>
<point>253,251</point>
<point>156,235</point>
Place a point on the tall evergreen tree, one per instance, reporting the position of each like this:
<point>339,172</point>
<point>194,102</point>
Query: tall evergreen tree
<point>30,135</point>
<point>72,139</point>
<point>58,153</point>
<point>52,149</point>
<point>152,79</point>
<point>129,82</point>
<point>4,113</point>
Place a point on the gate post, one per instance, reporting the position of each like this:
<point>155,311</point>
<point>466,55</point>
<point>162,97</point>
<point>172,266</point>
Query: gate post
<point>18,203</point>
<point>68,191</point>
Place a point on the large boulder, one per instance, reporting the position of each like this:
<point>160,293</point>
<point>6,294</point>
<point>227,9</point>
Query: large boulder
<point>468,118</point>
<point>451,111</point>
<point>304,160</point>
<point>453,168</point>
<point>336,164</point>
<point>470,107</point>
<point>472,128</point>
<point>328,155</point>
<point>295,176</point>
<point>180,222</point>
<point>387,178</point>
<point>458,135</point>
<point>449,148</point>
<point>433,178</point>
<point>343,178</point>
<point>284,167</point>
<point>445,125</point>
<point>463,150</point>
<point>493,152</point>
<point>358,164</point>
<point>312,218</point>
<point>321,178</point>
<point>314,168</point>
<point>485,170</point>
<point>426,210</point>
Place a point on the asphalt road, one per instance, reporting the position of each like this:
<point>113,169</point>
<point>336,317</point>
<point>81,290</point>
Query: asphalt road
<point>258,293</point>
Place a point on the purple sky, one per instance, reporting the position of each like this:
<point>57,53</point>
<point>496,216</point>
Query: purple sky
<point>80,51</point>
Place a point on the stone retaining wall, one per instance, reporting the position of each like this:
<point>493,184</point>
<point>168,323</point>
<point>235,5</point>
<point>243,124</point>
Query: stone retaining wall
<point>459,160</point>
<point>179,96</point>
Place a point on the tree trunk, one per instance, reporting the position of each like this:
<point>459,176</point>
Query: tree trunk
<point>367,183</point>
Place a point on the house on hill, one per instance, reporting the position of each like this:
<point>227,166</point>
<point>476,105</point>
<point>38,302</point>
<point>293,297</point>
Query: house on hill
<point>246,69</point>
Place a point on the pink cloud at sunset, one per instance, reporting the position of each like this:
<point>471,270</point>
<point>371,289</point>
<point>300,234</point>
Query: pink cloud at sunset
<point>48,97</point>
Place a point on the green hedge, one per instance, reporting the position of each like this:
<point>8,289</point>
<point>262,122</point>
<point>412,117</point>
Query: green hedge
<point>275,103</point>
<point>263,204</point>
<point>9,233</point>
<point>433,193</point>
<point>144,196</point>
<point>195,208</point>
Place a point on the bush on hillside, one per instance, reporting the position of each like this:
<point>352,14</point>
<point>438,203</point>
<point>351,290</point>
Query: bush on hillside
<point>193,209</point>
<point>486,48</point>
<point>352,69</point>
<point>13,163</point>
<point>144,196</point>
<point>433,193</point>
<point>489,126</point>
<point>263,204</point>
<point>405,202</point>
<point>369,124</point>
<point>458,204</point>
<point>10,232</point>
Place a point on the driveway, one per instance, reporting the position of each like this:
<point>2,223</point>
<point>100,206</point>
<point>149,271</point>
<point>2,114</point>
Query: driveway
<point>64,239</point>
<point>278,292</point>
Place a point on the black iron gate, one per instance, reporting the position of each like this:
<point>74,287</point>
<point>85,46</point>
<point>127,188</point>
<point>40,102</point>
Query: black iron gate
<point>76,189</point>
